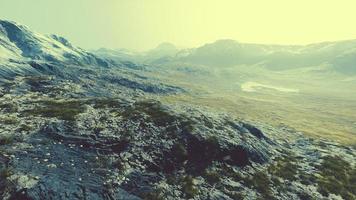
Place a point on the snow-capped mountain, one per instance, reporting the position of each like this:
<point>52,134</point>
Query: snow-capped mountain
<point>19,42</point>
<point>162,51</point>
<point>227,53</point>
<point>25,52</point>
<point>340,55</point>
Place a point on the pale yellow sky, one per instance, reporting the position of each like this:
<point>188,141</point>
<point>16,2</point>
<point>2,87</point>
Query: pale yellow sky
<point>143,24</point>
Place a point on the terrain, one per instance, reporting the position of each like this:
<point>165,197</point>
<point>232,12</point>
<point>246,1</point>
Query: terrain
<point>173,124</point>
<point>306,88</point>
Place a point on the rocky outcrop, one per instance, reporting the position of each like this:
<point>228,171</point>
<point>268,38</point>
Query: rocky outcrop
<point>112,149</point>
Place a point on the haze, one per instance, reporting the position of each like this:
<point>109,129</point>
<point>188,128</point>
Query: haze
<point>140,25</point>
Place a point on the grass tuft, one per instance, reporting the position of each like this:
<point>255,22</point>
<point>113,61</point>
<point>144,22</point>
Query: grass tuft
<point>337,177</point>
<point>65,110</point>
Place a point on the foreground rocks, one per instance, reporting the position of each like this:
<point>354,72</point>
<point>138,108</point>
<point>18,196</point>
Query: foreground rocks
<point>125,148</point>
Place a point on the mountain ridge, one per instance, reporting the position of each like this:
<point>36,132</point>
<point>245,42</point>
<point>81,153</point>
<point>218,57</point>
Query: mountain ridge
<point>31,45</point>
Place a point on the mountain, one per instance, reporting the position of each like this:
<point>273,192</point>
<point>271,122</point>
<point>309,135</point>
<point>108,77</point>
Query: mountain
<point>79,125</point>
<point>225,53</point>
<point>229,53</point>
<point>25,52</point>
<point>117,54</point>
<point>339,55</point>
<point>19,40</point>
<point>161,52</point>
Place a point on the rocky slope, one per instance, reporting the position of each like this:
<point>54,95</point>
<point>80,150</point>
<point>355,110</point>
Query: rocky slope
<point>83,127</point>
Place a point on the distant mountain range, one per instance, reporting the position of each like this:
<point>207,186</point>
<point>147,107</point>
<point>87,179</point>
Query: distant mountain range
<point>17,41</point>
<point>340,55</point>
<point>227,53</point>
<point>162,51</point>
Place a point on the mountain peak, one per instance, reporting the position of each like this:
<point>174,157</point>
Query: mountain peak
<point>19,42</point>
<point>166,46</point>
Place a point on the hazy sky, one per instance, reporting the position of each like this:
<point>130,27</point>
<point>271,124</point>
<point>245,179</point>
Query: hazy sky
<point>143,24</point>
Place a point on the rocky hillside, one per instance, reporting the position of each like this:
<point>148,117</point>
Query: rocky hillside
<point>84,127</point>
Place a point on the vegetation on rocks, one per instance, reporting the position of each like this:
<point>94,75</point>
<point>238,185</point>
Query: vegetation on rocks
<point>65,110</point>
<point>338,177</point>
<point>284,167</point>
<point>5,173</point>
<point>8,107</point>
<point>261,182</point>
<point>6,139</point>
<point>155,110</point>
<point>188,187</point>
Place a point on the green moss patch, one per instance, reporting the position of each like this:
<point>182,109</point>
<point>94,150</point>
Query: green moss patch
<point>285,168</point>
<point>337,177</point>
<point>8,107</point>
<point>8,120</point>
<point>260,182</point>
<point>65,110</point>
<point>7,139</point>
<point>154,109</point>
<point>188,187</point>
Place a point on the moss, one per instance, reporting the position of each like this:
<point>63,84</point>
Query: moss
<point>307,179</point>
<point>260,182</point>
<point>186,124</point>
<point>172,179</point>
<point>212,176</point>
<point>158,114</point>
<point>5,173</point>
<point>8,120</point>
<point>119,164</point>
<point>7,139</point>
<point>229,172</point>
<point>5,184</point>
<point>25,128</point>
<point>105,103</point>
<point>305,196</point>
<point>102,161</point>
<point>188,187</point>
<point>207,122</point>
<point>9,107</point>
<point>153,109</point>
<point>285,168</point>
<point>276,182</point>
<point>155,194</point>
<point>337,177</point>
<point>65,110</point>
<point>237,196</point>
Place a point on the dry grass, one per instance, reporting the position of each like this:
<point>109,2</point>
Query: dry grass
<point>328,118</point>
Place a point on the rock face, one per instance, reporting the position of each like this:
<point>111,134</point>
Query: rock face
<point>103,148</point>
<point>77,129</point>
<point>112,145</point>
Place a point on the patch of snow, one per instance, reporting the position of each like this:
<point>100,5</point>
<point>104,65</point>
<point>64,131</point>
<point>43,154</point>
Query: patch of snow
<point>251,86</point>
